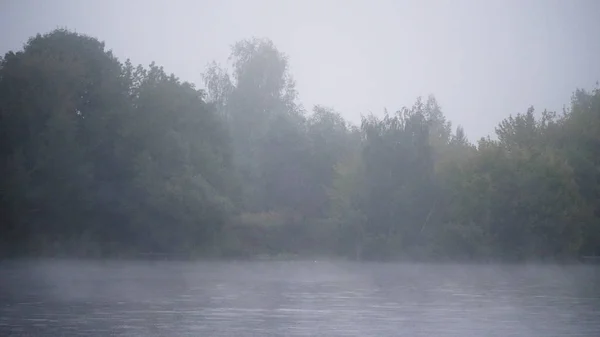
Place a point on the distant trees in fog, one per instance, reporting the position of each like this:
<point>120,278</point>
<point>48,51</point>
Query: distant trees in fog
<point>100,157</point>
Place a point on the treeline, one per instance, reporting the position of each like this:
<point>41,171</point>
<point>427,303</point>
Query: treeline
<point>101,158</point>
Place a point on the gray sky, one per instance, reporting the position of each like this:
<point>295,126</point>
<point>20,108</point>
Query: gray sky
<point>482,59</point>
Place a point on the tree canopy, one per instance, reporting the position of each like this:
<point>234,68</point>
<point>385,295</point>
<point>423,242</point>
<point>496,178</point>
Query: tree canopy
<point>100,157</point>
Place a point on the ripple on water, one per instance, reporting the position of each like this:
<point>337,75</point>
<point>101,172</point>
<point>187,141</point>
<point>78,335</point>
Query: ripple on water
<point>51,298</point>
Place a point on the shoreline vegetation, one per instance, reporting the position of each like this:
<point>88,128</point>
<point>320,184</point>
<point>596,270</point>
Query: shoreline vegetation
<point>100,158</point>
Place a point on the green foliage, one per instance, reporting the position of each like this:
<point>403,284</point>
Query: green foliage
<point>99,157</point>
<point>99,151</point>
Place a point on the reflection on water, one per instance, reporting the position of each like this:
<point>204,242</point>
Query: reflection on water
<point>71,298</point>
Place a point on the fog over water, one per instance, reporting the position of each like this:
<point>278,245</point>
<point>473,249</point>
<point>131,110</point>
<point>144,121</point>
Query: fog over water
<point>82,298</point>
<point>277,168</point>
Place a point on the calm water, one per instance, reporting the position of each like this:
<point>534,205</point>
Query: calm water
<point>71,298</point>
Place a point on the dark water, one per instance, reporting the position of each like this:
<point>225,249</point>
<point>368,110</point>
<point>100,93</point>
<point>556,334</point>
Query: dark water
<point>75,298</point>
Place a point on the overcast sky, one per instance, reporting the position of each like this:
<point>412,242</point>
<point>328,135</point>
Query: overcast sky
<point>482,59</point>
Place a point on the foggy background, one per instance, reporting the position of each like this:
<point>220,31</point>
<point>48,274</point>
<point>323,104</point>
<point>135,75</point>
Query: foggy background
<point>133,205</point>
<point>482,60</point>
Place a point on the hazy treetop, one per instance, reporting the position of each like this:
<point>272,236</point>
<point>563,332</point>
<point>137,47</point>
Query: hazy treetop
<point>482,59</point>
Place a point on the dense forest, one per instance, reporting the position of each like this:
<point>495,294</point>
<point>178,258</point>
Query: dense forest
<point>100,157</point>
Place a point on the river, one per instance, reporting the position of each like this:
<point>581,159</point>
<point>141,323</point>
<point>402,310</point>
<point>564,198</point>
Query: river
<point>308,298</point>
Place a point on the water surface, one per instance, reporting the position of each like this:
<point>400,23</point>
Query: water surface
<point>85,298</point>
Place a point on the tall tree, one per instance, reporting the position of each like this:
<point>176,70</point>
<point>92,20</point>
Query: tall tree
<point>51,95</point>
